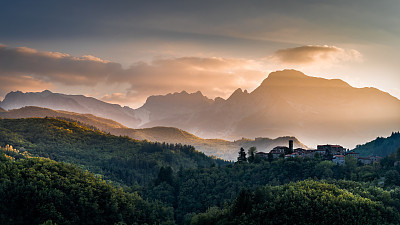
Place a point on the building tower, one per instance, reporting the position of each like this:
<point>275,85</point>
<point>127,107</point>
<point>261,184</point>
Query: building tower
<point>291,145</point>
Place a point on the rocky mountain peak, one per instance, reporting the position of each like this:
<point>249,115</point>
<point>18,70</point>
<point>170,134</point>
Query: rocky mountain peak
<point>297,79</point>
<point>238,94</point>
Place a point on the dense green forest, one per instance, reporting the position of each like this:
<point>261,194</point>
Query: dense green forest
<point>179,185</point>
<point>196,190</point>
<point>120,159</point>
<point>308,202</point>
<point>380,146</point>
<point>38,190</point>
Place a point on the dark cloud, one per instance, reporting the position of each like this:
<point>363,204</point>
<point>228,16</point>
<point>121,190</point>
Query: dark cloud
<point>92,19</point>
<point>311,54</point>
<point>54,66</point>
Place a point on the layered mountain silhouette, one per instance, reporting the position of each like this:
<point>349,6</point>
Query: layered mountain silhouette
<point>72,103</point>
<point>287,103</point>
<point>215,147</point>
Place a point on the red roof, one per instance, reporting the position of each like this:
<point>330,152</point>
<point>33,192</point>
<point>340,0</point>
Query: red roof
<point>365,158</point>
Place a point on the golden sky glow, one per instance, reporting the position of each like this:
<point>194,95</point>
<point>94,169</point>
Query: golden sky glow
<point>122,52</point>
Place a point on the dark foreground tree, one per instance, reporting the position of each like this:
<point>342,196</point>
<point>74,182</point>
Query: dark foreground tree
<point>242,156</point>
<point>252,154</point>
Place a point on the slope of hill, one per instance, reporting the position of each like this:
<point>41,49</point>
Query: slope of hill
<point>380,146</point>
<point>39,112</point>
<point>120,159</point>
<point>215,147</point>
<point>36,190</point>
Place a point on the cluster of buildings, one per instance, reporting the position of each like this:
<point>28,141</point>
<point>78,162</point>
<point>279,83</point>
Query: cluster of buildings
<point>335,153</point>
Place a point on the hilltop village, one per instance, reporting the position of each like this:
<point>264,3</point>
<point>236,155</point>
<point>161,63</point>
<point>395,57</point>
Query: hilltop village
<point>334,153</point>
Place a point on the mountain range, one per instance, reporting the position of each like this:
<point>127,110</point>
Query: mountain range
<point>71,103</point>
<point>287,103</point>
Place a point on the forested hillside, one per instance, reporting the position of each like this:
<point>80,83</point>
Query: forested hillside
<point>120,159</point>
<point>196,190</point>
<point>103,124</point>
<point>308,202</point>
<point>212,147</point>
<point>380,146</point>
<point>37,190</point>
<point>176,180</point>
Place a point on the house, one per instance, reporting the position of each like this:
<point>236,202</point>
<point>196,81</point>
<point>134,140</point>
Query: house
<point>338,159</point>
<point>375,158</point>
<point>322,152</point>
<point>299,150</point>
<point>369,159</point>
<point>262,155</point>
<point>276,154</point>
<point>365,160</point>
<point>293,155</point>
<point>278,150</point>
<point>332,149</point>
<point>353,154</point>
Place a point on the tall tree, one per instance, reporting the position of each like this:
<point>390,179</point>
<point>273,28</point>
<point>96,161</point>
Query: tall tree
<point>165,175</point>
<point>242,156</point>
<point>252,154</point>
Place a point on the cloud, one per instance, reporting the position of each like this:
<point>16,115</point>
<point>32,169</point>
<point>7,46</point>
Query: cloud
<point>28,69</point>
<point>54,66</point>
<point>22,83</point>
<point>213,76</point>
<point>119,98</point>
<point>311,54</point>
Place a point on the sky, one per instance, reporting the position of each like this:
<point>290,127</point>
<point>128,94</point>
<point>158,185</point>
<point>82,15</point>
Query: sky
<point>124,51</point>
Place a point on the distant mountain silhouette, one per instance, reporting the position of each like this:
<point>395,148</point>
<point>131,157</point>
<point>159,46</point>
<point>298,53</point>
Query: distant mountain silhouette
<point>287,103</point>
<point>39,112</point>
<point>217,147</point>
<point>72,103</point>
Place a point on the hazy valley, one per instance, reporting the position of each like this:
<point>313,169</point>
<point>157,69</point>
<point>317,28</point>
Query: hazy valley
<point>212,147</point>
<point>287,103</point>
